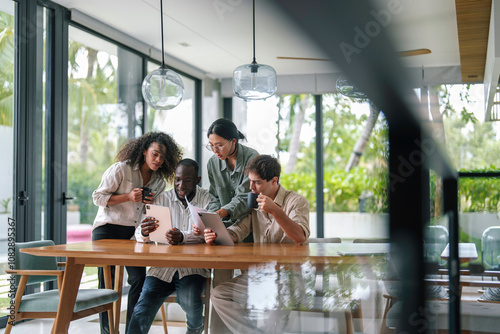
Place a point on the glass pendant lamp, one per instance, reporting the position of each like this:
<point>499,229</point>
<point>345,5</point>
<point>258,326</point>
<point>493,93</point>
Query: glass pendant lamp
<point>163,88</point>
<point>254,81</point>
<point>347,88</point>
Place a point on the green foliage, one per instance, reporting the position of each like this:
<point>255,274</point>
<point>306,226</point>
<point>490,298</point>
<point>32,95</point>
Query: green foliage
<point>4,203</point>
<point>480,194</point>
<point>470,144</point>
<point>341,130</point>
<point>7,66</point>
<point>93,124</point>
<point>287,105</point>
<point>81,184</point>
<point>342,189</point>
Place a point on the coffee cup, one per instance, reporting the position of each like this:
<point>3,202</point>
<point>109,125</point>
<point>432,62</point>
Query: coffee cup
<point>146,192</point>
<point>252,200</point>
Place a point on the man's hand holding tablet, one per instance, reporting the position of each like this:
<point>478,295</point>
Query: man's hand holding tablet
<point>216,232</point>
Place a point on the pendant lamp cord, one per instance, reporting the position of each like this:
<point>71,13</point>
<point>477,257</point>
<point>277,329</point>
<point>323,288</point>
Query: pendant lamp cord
<point>254,31</point>
<point>162,48</point>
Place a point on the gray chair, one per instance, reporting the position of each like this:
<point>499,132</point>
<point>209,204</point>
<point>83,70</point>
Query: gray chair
<point>490,247</point>
<point>30,269</point>
<point>436,238</point>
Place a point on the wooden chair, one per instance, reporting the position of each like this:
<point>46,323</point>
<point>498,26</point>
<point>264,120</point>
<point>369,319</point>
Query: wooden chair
<point>34,270</point>
<point>205,296</point>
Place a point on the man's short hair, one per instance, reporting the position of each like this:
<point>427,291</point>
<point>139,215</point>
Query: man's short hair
<point>190,162</point>
<point>265,166</point>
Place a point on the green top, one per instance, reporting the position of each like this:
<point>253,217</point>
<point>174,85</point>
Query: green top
<point>229,188</point>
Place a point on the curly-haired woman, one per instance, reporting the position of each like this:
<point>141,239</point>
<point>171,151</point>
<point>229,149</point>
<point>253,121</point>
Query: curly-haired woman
<point>143,162</point>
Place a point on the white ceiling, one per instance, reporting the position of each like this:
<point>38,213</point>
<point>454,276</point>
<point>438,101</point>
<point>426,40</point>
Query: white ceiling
<point>215,36</point>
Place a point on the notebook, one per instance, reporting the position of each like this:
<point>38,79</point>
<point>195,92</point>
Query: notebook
<point>162,215</point>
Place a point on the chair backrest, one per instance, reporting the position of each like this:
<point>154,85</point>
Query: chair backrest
<point>327,240</point>
<point>436,234</point>
<point>490,245</point>
<point>436,237</point>
<point>32,262</point>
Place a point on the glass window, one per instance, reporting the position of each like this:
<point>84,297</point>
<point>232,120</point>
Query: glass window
<point>97,125</point>
<point>355,201</point>
<point>471,143</point>
<point>355,151</point>
<point>296,148</point>
<point>105,110</point>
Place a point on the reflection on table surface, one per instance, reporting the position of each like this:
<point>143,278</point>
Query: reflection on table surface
<point>329,298</point>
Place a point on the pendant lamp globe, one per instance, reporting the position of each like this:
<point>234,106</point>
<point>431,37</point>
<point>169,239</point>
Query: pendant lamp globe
<point>163,88</point>
<point>254,81</point>
<point>347,88</point>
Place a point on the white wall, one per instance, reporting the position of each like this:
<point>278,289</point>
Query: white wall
<point>7,164</point>
<point>352,225</point>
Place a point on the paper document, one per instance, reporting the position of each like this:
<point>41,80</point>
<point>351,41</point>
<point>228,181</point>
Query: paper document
<point>195,215</point>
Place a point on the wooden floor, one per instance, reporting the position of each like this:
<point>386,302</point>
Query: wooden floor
<point>82,326</point>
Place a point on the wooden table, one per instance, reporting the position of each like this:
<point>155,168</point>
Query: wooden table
<point>467,252</point>
<point>242,256</point>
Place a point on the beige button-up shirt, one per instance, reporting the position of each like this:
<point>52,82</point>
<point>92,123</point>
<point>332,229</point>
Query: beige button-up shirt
<point>263,225</point>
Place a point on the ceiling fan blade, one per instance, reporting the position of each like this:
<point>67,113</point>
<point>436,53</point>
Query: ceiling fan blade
<point>416,52</point>
<point>303,58</point>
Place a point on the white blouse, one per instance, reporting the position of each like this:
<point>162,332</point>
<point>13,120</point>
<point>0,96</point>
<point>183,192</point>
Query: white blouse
<point>121,178</point>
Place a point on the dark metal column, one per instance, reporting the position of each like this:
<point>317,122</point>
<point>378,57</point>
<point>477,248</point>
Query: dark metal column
<point>25,65</point>
<point>227,108</point>
<point>320,200</point>
<point>406,223</point>
<point>57,124</point>
<point>198,122</point>
<point>450,196</point>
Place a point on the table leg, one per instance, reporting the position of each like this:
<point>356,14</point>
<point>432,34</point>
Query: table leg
<point>69,291</point>
<point>108,285</point>
<point>118,288</point>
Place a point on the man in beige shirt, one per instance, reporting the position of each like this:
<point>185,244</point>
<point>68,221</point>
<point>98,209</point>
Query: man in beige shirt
<point>282,216</point>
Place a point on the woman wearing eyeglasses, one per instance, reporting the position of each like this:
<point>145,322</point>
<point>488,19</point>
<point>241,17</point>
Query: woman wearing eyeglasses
<point>228,183</point>
<point>228,187</point>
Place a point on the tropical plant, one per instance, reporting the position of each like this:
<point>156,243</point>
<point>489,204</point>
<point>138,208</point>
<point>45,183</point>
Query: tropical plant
<point>341,128</point>
<point>480,194</point>
<point>7,66</point>
<point>93,135</point>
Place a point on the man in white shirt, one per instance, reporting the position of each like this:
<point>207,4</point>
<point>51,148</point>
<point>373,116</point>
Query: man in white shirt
<point>162,282</point>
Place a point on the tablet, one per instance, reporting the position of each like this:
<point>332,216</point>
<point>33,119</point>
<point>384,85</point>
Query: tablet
<point>212,221</point>
<point>162,215</point>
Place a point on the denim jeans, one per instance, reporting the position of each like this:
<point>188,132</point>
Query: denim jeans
<point>153,295</point>
<point>136,275</point>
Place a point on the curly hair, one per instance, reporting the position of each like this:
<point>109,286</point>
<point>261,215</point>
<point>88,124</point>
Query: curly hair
<point>132,152</point>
